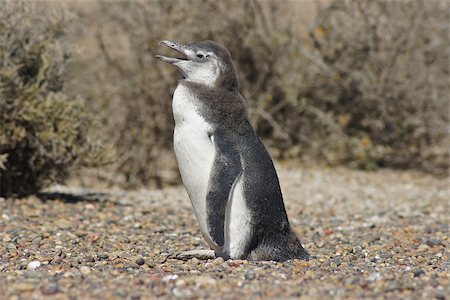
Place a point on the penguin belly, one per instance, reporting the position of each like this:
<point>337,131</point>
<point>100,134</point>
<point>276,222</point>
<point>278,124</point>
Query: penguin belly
<point>195,154</point>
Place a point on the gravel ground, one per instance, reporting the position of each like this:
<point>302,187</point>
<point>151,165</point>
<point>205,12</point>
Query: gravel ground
<point>372,235</point>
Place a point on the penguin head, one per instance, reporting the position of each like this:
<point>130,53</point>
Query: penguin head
<point>206,62</point>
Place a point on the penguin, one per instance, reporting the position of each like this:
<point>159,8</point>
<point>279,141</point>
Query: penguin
<point>228,174</point>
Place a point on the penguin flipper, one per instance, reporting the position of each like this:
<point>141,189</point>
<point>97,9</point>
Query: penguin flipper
<point>227,168</point>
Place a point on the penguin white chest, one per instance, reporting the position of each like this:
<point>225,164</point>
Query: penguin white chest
<point>194,150</point>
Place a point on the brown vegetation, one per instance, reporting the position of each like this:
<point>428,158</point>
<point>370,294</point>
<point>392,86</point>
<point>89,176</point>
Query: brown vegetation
<point>364,85</point>
<point>378,84</point>
<point>43,134</point>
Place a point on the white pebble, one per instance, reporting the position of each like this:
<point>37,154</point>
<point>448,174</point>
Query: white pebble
<point>85,270</point>
<point>374,276</point>
<point>170,277</point>
<point>33,265</point>
<point>205,281</point>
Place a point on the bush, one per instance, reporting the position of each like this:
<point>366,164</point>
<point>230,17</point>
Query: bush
<point>375,90</point>
<point>135,100</point>
<point>43,133</point>
<point>365,87</point>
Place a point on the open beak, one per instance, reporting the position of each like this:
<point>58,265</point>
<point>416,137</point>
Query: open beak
<point>175,46</point>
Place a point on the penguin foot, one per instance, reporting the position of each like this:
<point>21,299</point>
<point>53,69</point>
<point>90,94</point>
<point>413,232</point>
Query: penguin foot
<point>199,254</point>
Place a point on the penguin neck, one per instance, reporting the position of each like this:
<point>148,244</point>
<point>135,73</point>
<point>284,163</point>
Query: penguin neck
<point>228,80</point>
<point>205,90</point>
<point>223,84</point>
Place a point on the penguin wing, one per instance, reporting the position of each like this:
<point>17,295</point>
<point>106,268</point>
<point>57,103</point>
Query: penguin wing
<point>227,168</point>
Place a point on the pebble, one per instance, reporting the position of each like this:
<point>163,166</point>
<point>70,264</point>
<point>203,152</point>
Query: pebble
<point>249,276</point>
<point>419,272</point>
<point>374,276</point>
<point>51,289</point>
<point>355,260</point>
<point>218,261</point>
<point>24,286</point>
<point>7,238</point>
<point>33,265</point>
<point>434,242</point>
<point>423,248</point>
<point>85,270</point>
<point>140,261</point>
<point>204,281</point>
<point>103,256</point>
<point>335,263</point>
<point>180,283</point>
<point>320,244</point>
<point>195,261</point>
<point>89,259</point>
<point>170,277</point>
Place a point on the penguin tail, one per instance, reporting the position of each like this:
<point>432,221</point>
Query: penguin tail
<point>295,247</point>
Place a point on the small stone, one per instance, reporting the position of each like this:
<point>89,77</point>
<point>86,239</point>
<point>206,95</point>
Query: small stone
<point>205,281</point>
<point>51,289</point>
<point>218,261</point>
<point>335,263</point>
<point>195,261</point>
<point>310,274</point>
<point>249,276</point>
<point>33,265</point>
<point>24,286</point>
<point>320,244</point>
<point>182,293</point>
<point>423,248</point>
<point>352,257</point>
<point>103,256</point>
<point>374,276</point>
<point>170,277</point>
<point>89,259</point>
<point>440,295</point>
<point>140,261</point>
<point>434,242</point>
<point>352,280</point>
<point>7,238</point>
<point>419,272</point>
<point>393,285</point>
<point>68,274</point>
<point>180,283</point>
<point>235,263</point>
<point>85,270</point>
<point>135,296</point>
<point>122,293</point>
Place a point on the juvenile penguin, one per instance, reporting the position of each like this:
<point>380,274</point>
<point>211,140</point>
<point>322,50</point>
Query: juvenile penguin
<point>228,173</point>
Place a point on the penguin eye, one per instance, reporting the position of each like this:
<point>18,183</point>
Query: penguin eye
<point>199,55</point>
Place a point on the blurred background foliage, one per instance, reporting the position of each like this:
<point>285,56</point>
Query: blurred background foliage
<point>44,133</point>
<point>356,83</point>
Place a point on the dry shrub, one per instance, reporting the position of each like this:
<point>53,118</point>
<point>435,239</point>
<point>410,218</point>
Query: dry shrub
<point>132,92</point>
<point>365,87</point>
<point>43,133</point>
<point>377,83</point>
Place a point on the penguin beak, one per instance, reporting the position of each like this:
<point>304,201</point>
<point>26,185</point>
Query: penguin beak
<point>175,46</point>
